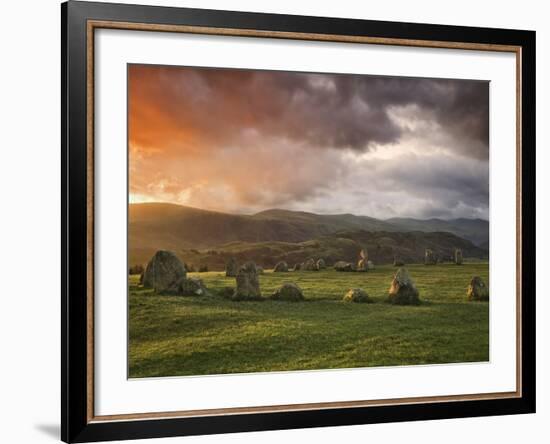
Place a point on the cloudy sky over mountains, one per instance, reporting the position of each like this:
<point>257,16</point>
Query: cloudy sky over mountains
<point>243,141</point>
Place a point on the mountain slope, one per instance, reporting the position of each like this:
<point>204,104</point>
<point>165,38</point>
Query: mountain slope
<point>382,246</point>
<point>167,225</point>
<point>329,223</point>
<point>155,226</point>
<point>475,230</point>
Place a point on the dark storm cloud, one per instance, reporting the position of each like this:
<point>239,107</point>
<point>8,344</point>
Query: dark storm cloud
<point>441,177</point>
<point>320,110</point>
<point>412,185</point>
<point>449,186</point>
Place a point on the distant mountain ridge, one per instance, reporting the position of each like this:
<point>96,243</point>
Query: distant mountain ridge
<point>154,226</point>
<point>475,230</point>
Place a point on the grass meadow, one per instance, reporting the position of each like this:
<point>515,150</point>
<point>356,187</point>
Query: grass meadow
<point>179,336</point>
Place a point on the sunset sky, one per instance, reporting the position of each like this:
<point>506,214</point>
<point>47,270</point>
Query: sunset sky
<point>243,141</point>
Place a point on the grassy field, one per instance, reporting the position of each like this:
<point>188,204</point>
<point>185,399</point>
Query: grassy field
<point>175,336</point>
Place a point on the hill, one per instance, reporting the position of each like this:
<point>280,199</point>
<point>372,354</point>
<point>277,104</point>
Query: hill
<point>382,246</point>
<point>291,235</point>
<point>475,230</point>
<point>326,222</point>
<point>158,225</point>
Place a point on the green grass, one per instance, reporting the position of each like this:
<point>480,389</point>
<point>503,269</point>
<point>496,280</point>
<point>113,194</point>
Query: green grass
<point>176,336</point>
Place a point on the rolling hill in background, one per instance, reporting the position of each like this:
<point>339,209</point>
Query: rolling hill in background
<point>209,237</point>
<point>475,230</point>
<point>166,225</point>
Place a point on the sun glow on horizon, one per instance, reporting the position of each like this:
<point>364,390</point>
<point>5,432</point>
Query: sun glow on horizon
<point>140,198</point>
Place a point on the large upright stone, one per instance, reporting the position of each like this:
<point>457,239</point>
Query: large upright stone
<point>477,290</point>
<point>402,290</point>
<point>164,273</point>
<point>458,256</point>
<point>362,263</point>
<point>429,257</point>
<point>231,267</point>
<point>248,283</point>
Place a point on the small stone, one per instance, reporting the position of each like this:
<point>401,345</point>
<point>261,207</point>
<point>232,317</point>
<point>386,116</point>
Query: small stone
<point>477,290</point>
<point>288,292</point>
<point>281,267</point>
<point>321,265</point>
<point>357,295</point>
<point>310,265</point>
<point>343,266</point>
<point>192,287</point>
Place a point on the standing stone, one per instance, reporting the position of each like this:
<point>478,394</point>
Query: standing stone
<point>321,265</point>
<point>343,266</point>
<point>248,284</point>
<point>477,290</point>
<point>164,273</point>
<point>458,256</point>
<point>231,267</point>
<point>310,265</point>
<point>192,287</point>
<point>297,266</point>
<point>429,257</point>
<point>281,267</point>
<point>402,290</point>
<point>288,292</point>
<point>357,295</point>
<point>362,264</point>
<point>259,269</point>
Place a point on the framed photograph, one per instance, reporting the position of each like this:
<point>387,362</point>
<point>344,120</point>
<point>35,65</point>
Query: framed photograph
<point>275,221</point>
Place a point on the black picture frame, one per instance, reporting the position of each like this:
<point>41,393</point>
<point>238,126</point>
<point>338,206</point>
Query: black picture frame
<point>76,423</point>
